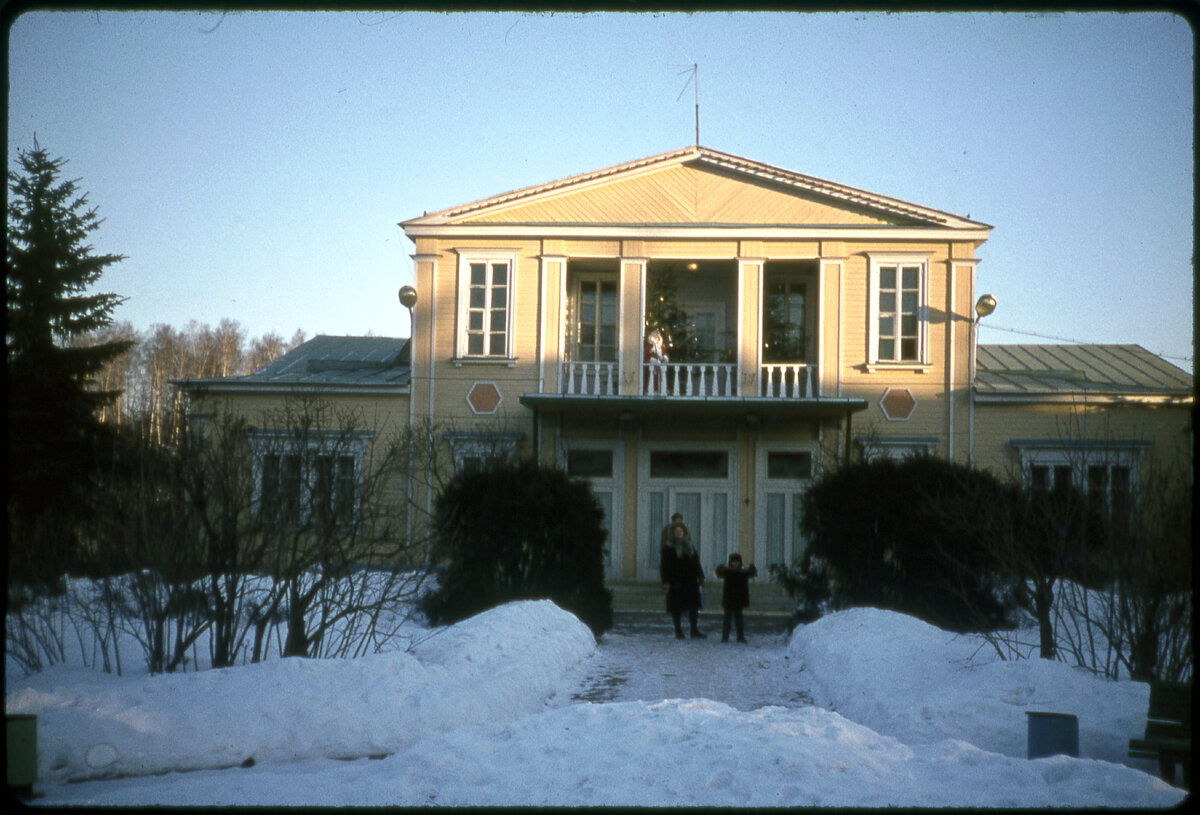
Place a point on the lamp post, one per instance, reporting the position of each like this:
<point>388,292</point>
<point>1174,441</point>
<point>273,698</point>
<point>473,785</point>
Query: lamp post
<point>984,306</point>
<point>408,298</point>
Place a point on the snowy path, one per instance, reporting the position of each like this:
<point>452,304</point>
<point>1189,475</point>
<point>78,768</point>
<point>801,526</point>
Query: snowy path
<point>640,660</point>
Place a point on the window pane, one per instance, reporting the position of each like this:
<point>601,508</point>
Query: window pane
<point>497,348</point>
<point>887,301</point>
<point>475,321</point>
<point>1039,477</point>
<point>590,463</point>
<point>499,274</point>
<point>908,349</point>
<point>887,326</point>
<point>887,277</point>
<point>499,297</point>
<point>908,325</point>
<point>887,349</point>
<point>498,319</point>
<point>475,342</point>
<point>689,465</point>
<point>478,298</point>
<point>789,465</point>
<point>908,303</point>
<point>775,527</point>
<point>478,274</point>
<point>910,276</point>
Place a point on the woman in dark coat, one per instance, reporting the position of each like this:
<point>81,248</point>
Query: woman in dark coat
<point>735,596</point>
<point>681,574</point>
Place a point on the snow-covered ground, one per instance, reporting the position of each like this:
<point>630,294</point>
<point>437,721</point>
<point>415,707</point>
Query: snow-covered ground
<point>519,707</point>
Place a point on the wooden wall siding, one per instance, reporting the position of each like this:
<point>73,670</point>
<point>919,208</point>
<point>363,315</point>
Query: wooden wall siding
<point>1165,427</point>
<point>680,195</point>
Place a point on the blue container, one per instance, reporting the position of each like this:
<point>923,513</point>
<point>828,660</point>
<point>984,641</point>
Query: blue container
<point>1053,734</point>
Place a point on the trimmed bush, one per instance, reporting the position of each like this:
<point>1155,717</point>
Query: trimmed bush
<point>516,531</point>
<point>897,535</point>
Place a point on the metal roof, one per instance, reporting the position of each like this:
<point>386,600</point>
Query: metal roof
<point>1057,370</point>
<point>327,362</point>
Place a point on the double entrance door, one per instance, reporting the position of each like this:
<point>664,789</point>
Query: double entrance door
<point>698,484</point>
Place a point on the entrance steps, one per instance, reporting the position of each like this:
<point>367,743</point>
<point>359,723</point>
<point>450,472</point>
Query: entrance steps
<point>765,597</point>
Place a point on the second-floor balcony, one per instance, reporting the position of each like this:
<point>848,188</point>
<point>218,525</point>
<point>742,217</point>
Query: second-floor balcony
<point>692,380</point>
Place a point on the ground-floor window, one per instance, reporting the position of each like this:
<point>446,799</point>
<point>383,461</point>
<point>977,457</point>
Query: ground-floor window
<point>1106,473</point>
<point>309,482</point>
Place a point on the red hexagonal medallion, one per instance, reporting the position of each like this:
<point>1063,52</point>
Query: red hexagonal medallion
<point>898,404</point>
<point>484,397</point>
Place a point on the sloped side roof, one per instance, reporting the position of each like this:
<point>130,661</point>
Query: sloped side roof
<point>1110,370</point>
<point>326,361</point>
<point>675,198</point>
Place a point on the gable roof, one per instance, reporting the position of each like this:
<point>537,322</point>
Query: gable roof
<point>1031,371</point>
<point>354,364</point>
<point>518,206</point>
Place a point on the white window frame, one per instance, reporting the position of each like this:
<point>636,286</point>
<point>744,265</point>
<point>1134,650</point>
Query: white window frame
<point>896,448</point>
<point>575,305</point>
<point>323,443</point>
<point>899,259</point>
<point>467,257</point>
<point>1079,457</point>
<point>466,445</point>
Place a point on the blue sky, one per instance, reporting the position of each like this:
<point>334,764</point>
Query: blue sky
<point>255,165</point>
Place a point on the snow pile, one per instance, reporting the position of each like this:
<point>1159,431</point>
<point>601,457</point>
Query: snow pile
<point>482,714</point>
<point>500,664</point>
<point>905,678</point>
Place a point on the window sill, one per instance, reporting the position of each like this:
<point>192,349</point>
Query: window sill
<point>509,362</point>
<point>915,367</point>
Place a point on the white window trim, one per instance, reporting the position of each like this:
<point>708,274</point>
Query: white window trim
<point>571,323</point>
<point>467,444</point>
<point>282,442</point>
<point>465,258</point>
<point>921,363</point>
<point>896,448</point>
<point>1079,456</point>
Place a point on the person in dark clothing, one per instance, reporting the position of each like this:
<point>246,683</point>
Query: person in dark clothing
<point>735,596</point>
<point>681,574</point>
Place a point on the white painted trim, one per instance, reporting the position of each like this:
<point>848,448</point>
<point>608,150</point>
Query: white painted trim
<point>874,261</point>
<point>761,453</point>
<point>950,362</point>
<point>713,232</point>
<point>466,257</point>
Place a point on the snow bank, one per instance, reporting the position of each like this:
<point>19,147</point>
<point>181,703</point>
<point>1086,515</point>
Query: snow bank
<point>905,678</point>
<point>499,665</point>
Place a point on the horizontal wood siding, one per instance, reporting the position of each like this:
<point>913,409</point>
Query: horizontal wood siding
<point>680,195</point>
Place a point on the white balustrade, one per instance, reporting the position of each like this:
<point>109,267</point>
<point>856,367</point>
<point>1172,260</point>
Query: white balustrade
<point>589,378</point>
<point>695,380</point>
<point>789,380</point>
<point>692,379</point>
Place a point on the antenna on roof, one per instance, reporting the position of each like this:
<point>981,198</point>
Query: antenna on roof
<point>694,76</point>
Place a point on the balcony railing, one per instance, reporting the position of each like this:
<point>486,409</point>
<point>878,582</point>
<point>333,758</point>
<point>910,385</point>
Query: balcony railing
<point>589,378</point>
<point>695,380</point>
<point>788,380</point>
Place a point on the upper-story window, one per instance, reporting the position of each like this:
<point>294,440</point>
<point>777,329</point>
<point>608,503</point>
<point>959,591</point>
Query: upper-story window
<point>485,304</point>
<point>899,309</point>
<point>783,320</point>
<point>597,321</point>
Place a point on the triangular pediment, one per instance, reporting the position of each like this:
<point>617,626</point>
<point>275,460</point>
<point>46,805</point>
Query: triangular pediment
<point>695,186</point>
<point>681,194</point>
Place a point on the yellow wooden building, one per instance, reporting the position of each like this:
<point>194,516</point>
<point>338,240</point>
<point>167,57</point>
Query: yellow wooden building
<point>804,322</point>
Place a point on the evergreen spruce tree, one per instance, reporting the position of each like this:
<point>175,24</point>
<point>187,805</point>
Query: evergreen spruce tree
<point>53,429</point>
